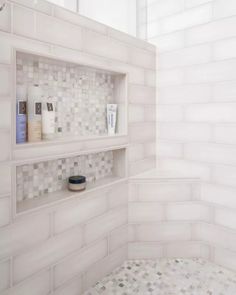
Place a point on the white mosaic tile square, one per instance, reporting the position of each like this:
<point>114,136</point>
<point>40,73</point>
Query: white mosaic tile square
<point>167,277</point>
<point>35,180</point>
<point>80,93</point>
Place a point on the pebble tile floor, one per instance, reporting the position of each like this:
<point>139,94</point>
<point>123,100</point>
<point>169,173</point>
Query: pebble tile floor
<point>167,277</point>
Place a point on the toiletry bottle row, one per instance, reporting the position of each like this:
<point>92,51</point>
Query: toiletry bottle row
<point>35,115</point>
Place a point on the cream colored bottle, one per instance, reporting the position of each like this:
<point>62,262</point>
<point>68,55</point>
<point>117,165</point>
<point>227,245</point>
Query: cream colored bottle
<point>34,113</point>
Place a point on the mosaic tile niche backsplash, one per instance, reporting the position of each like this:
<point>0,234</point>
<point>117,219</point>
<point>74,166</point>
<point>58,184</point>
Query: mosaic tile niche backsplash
<point>80,93</point>
<point>35,180</point>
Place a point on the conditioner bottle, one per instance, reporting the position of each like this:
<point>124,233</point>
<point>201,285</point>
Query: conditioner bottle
<point>48,118</point>
<point>34,113</point>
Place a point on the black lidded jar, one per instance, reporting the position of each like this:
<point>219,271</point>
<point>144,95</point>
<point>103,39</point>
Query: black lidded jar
<point>77,183</point>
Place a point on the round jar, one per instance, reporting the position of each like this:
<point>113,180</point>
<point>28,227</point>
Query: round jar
<point>77,183</point>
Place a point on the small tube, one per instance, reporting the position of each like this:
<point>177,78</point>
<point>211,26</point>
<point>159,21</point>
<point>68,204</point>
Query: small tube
<point>111,118</point>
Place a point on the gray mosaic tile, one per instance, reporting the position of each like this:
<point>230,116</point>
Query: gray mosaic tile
<point>167,277</point>
<point>81,94</point>
<point>35,180</point>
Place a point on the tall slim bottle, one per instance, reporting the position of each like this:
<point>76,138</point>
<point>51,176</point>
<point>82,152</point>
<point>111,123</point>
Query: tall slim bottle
<point>21,114</point>
<point>34,113</point>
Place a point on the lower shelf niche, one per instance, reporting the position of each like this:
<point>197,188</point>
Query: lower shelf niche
<point>39,184</point>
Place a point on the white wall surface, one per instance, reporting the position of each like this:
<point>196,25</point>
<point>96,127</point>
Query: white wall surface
<point>120,15</point>
<point>68,4</point>
<point>196,41</point>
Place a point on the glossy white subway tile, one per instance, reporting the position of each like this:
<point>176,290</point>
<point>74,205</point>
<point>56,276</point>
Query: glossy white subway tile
<point>145,250</point>
<point>24,21</point>
<point>4,275</point>
<point>80,262</point>
<point>101,226</point>
<point>79,212</point>
<point>47,254</point>
<point>5,20</point>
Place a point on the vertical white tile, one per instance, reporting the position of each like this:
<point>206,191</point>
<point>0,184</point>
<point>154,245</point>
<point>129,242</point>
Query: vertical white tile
<point>136,152</point>
<point>4,211</point>
<point>5,78</point>
<point>24,21</point>
<point>118,238</point>
<point>118,195</point>
<point>4,275</point>
<point>5,179</point>
<point>5,145</point>
<point>5,19</point>
<point>5,114</point>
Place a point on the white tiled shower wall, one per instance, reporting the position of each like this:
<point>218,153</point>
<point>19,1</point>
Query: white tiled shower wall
<point>196,42</point>
<point>62,249</point>
<point>162,219</point>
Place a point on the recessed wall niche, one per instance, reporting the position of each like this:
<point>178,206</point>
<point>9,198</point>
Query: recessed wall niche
<point>80,94</point>
<point>40,183</point>
<point>38,179</point>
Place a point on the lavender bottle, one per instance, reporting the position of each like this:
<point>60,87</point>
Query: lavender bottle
<point>21,114</point>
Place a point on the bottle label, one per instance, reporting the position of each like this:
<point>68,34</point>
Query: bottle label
<point>49,107</point>
<point>38,108</point>
<point>21,107</point>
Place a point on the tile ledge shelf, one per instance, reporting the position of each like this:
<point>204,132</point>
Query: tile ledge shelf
<point>31,157</point>
<point>163,175</point>
<point>66,140</point>
<point>56,198</point>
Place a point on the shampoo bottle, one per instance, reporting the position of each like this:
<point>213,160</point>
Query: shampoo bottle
<point>48,119</point>
<point>21,115</point>
<point>34,113</point>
